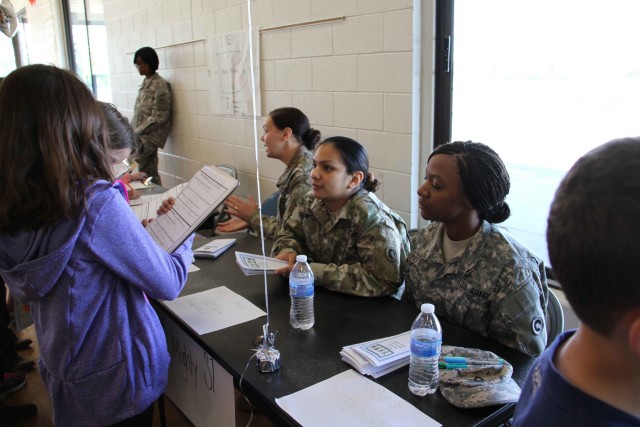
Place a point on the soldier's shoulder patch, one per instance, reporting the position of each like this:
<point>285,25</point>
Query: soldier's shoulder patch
<point>392,255</point>
<point>537,325</point>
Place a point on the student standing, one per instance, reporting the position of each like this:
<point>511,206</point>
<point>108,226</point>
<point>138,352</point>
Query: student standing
<point>152,112</point>
<point>591,376</point>
<point>475,273</point>
<point>71,247</point>
<point>355,243</point>
<point>289,138</point>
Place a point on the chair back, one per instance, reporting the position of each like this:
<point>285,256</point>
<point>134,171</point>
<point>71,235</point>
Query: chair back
<point>555,318</point>
<point>228,169</point>
<point>270,204</point>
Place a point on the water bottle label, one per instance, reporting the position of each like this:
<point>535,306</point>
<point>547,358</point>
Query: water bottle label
<point>423,347</point>
<point>301,291</point>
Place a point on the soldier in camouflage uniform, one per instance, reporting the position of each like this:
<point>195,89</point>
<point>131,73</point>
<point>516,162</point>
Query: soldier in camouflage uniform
<point>289,138</point>
<point>152,113</point>
<point>355,243</point>
<point>474,273</point>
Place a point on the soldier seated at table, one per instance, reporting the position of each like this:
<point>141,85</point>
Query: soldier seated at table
<point>355,243</point>
<point>474,272</point>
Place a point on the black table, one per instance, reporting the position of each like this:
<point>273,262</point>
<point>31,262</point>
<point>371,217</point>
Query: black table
<point>309,357</point>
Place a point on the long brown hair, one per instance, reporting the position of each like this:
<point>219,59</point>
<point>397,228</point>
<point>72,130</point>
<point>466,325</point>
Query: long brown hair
<point>53,144</point>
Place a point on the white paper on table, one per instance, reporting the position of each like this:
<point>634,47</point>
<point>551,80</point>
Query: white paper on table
<point>215,309</point>
<point>351,399</point>
<point>139,185</point>
<point>146,206</point>
<point>192,268</point>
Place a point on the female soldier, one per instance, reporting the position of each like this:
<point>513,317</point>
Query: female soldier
<point>473,272</point>
<point>356,244</point>
<point>288,138</point>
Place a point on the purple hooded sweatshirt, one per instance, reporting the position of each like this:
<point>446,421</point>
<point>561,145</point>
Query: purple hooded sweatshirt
<point>103,352</point>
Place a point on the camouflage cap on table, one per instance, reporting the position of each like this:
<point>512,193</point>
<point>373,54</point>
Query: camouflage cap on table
<point>477,386</point>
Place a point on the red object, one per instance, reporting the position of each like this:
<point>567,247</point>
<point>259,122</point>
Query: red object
<point>33,2</point>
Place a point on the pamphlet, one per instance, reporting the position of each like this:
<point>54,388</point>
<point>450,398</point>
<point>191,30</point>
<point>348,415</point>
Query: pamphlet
<point>208,188</point>
<point>379,357</point>
<point>213,249</point>
<point>146,206</point>
<point>255,264</point>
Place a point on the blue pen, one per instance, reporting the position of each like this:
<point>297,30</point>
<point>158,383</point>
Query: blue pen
<point>471,360</point>
<point>448,365</point>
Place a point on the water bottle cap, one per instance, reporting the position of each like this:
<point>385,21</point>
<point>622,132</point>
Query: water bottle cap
<point>427,308</point>
<point>301,258</point>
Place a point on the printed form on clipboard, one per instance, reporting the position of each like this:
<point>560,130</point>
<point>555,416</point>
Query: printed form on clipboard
<point>208,188</point>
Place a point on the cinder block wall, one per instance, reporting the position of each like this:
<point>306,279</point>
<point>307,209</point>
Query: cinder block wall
<point>352,78</point>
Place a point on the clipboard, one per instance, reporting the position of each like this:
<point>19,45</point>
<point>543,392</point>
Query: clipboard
<point>204,192</point>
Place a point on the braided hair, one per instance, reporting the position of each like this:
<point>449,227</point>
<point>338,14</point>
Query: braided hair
<point>484,177</point>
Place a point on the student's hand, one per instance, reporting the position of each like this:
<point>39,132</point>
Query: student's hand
<point>138,176</point>
<point>146,222</point>
<point>234,224</point>
<point>291,260</point>
<point>166,205</point>
<point>242,208</point>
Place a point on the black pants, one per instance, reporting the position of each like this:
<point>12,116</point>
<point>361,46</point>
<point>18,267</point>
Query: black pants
<point>145,419</point>
<point>7,337</point>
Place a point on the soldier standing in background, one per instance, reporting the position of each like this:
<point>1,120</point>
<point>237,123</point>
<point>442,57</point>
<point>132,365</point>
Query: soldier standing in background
<point>152,113</point>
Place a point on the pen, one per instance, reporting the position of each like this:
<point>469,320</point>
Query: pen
<point>471,360</point>
<point>448,365</point>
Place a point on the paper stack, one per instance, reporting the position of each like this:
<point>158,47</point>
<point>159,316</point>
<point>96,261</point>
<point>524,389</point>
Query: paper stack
<point>255,264</point>
<point>213,249</point>
<point>379,357</point>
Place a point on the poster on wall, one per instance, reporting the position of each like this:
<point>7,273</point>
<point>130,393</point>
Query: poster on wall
<point>231,74</point>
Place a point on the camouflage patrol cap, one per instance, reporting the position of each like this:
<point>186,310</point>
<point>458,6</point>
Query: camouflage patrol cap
<point>479,386</point>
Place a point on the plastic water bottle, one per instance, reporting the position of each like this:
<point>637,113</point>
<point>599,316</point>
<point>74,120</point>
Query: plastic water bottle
<point>426,343</point>
<point>301,292</point>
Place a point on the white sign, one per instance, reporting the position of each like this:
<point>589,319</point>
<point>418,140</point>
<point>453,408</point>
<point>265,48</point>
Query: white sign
<point>198,385</point>
<point>349,399</point>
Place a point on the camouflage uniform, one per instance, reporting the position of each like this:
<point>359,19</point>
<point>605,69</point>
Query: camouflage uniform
<point>496,288</point>
<point>360,251</point>
<point>152,123</point>
<point>293,184</point>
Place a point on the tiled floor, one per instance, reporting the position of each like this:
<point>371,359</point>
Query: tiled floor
<point>35,393</point>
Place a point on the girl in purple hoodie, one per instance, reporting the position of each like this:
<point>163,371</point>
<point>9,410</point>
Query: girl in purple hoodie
<point>72,248</point>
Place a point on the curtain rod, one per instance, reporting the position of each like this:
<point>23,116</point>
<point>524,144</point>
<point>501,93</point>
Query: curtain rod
<point>265,30</point>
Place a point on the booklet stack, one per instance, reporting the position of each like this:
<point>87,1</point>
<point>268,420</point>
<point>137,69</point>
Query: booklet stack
<point>255,264</point>
<point>379,357</point>
<point>213,249</point>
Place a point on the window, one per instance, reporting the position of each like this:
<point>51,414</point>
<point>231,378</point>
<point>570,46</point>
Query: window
<point>7,55</point>
<point>88,40</point>
<point>541,82</point>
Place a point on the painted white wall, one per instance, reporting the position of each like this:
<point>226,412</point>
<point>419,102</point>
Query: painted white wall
<point>352,78</point>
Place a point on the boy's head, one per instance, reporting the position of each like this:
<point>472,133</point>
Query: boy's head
<point>593,235</point>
